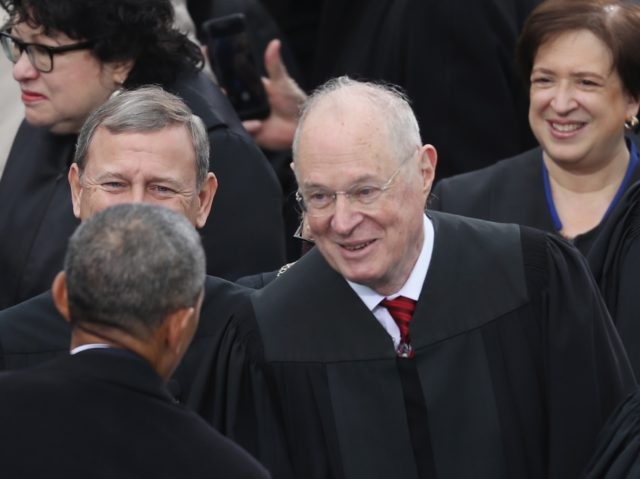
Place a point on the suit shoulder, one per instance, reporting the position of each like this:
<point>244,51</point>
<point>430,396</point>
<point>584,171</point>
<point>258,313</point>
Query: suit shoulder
<point>499,171</point>
<point>31,332</point>
<point>222,287</point>
<point>41,304</point>
<point>491,192</point>
<point>298,280</point>
<point>222,298</point>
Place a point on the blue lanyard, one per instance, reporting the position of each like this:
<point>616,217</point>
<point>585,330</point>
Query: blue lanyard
<point>555,218</point>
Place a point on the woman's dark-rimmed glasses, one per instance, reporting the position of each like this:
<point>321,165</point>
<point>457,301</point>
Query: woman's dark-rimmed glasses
<point>40,56</point>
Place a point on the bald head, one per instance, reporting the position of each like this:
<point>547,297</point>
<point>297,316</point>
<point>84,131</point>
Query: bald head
<point>381,108</point>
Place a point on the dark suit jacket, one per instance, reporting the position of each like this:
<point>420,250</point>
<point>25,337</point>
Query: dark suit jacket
<point>106,414</point>
<point>244,233</point>
<point>33,332</point>
<point>511,191</point>
<point>516,367</point>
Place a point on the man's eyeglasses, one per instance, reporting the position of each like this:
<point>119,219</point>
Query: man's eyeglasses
<point>321,202</point>
<point>40,56</point>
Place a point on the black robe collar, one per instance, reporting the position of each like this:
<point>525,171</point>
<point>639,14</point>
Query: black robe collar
<point>311,314</point>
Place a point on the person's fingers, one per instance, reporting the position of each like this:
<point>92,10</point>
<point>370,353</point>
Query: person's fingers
<point>273,61</point>
<point>252,126</point>
<point>267,85</point>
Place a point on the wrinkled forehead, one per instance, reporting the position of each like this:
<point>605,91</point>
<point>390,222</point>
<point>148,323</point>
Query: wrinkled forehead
<point>171,146</point>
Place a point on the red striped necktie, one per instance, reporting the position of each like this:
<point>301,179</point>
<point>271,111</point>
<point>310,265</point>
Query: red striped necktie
<point>401,310</point>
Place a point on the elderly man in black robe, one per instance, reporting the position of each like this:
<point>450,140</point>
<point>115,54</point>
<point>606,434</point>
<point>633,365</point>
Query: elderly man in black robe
<point>408,344</point>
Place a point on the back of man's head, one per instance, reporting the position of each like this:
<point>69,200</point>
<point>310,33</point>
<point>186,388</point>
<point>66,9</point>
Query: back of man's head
<point>130,266</point>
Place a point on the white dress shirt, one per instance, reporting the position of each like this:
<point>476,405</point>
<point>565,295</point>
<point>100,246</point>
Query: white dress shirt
<point>411,288</point>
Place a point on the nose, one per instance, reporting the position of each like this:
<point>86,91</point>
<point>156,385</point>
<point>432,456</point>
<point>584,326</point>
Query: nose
<point>563,100</point>
<point>23,69</point>
<point>345,217</point>
<point>138,194</point>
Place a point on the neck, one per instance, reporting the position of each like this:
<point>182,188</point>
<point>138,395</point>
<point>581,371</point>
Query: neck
<point>398,277</point>
<point>582,197</point>
<point>590,178</point>
<point>83,333</point>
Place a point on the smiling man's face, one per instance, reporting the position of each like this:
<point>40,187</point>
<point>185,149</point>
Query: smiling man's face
<point>342,147</point>
<point>156,167</point>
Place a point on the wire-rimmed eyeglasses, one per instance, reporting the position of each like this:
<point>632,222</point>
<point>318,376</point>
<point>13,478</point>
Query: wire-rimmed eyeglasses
<point>40,56</point>
<point>321,202</point>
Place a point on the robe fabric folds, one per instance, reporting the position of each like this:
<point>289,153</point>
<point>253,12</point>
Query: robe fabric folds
<point>618,453</point>
<point>517,366</point>
<point>615,262</point>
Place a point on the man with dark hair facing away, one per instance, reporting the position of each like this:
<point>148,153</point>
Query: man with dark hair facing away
<point>132,289</point>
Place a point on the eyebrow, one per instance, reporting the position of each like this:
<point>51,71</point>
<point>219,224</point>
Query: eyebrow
<point>107,175</point>
<point>358,180</point>
<point>590,74</point>
<point>36,38</point>
<point>578,74</point>
<point>33,38</point>
<point>177,185</point>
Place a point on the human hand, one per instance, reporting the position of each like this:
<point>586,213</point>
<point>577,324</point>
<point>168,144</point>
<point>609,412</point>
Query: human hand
<point>285,97</point>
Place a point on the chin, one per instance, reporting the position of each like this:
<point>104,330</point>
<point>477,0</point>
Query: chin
<point>56,127</point>
<point>63,128</point>
<point>562,156</point>
<point>366,278</point>
<point>34,120</point>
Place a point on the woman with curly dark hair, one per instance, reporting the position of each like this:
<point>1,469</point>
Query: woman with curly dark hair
<point>69,57</point>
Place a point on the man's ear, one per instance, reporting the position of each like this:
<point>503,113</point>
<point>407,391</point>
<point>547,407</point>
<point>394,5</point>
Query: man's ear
<point>76,188</point>
<point>171,340</point>
<point>205,197</point>
<point>178,330</point>
<point>60,295</point>
<point>428,160</point>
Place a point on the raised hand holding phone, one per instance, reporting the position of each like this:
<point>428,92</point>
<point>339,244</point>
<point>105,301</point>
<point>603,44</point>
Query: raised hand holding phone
<point>230,52</point>
<point>284,97</point>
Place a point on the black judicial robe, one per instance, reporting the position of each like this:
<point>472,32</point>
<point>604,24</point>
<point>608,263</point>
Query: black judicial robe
<point>510,191</point>
<point>618,452</point>
<point>105,413</point>
<point>243,235</point>
<point>615,262</point>
<point>33,332</point>
<point>517,367</point>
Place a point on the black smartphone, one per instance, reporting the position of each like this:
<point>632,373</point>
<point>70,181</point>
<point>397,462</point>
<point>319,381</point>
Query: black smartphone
<point>232,59</point>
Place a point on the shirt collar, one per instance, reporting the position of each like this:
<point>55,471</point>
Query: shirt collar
<point>413,286</point>
<point>85,347</point>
